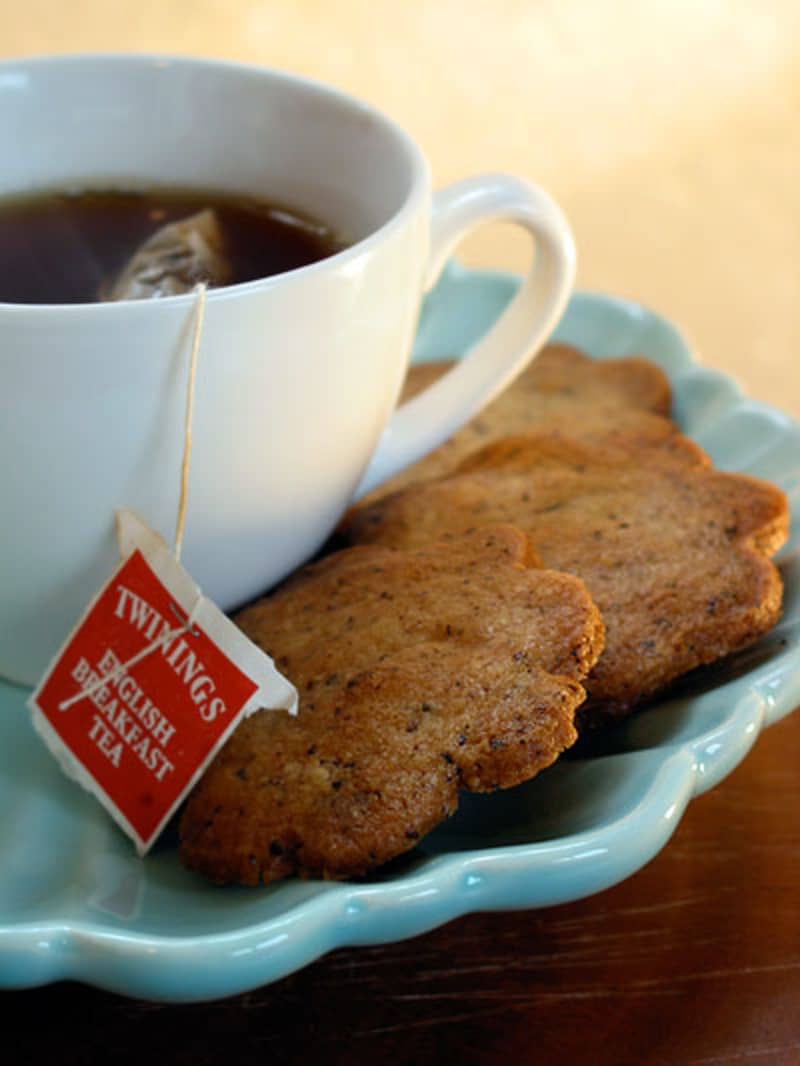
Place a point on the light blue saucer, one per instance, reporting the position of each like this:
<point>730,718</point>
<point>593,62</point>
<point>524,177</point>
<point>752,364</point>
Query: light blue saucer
<point>76,903</point>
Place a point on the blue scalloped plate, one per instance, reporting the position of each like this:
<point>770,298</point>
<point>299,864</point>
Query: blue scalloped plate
<point>76,903</point>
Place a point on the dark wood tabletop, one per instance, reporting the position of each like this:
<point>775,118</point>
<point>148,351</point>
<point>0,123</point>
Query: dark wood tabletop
<point>695,959</point>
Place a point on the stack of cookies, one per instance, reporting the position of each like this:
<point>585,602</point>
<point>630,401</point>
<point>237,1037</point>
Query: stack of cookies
<point>557,563</point>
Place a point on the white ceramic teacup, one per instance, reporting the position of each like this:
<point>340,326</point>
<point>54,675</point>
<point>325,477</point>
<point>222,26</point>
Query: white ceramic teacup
<point>298,373</point>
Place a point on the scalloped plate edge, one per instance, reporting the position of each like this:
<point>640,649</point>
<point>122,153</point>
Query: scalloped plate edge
<point>184,969</point>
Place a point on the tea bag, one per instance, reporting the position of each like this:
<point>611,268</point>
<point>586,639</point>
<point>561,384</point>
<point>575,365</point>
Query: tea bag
<point>153,678</point>
<point>173,260</point>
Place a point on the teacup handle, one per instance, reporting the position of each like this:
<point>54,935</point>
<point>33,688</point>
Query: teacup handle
<point>421,424</point>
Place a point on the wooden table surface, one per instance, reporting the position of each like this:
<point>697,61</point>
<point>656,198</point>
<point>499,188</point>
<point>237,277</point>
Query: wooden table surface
<point>670,132</point>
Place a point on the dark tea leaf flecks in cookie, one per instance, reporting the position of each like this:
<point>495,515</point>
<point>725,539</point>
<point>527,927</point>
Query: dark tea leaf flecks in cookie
<point>674,553</point>
<point>561,390</point>
<point>454,666</point>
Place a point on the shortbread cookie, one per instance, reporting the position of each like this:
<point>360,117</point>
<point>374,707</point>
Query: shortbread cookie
<point>449,667</point>
<point>562,390</point>
<point>674,553</point>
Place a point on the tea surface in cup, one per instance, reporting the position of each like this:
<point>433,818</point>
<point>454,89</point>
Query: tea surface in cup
<point>64,247</point>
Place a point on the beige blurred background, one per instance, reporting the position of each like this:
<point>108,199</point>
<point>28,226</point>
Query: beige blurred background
<point>668,129</point>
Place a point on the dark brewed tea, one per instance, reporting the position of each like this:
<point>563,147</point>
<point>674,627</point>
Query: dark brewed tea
<point>65,247</point>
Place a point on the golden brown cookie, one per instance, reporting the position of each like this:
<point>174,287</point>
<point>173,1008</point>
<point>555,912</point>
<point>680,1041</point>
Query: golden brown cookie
<point>674,553</point>
<point>420,673</point>
<point>562,390</point>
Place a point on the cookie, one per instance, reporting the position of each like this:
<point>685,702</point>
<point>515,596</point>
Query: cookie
<point>674,553</point>
<point>420,673</point>
<point>562,390</point>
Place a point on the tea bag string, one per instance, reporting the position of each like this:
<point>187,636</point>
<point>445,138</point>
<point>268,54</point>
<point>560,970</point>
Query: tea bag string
<point>199,315</point>
<point>166,636</point>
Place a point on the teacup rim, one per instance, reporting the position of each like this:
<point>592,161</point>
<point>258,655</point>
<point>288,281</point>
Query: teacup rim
<point>420,184</point>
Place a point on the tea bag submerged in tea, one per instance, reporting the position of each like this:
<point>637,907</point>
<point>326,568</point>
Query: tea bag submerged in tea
<point>173,260</point>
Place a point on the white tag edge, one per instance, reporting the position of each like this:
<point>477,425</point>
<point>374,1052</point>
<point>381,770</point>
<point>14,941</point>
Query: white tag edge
<point>192,781</point>
<point>74,769</point>
<point>251,659</point>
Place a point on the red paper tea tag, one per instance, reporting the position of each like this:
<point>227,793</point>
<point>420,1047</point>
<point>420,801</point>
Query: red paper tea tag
<point>149,685</point>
